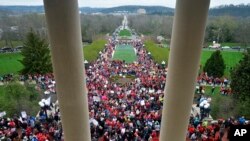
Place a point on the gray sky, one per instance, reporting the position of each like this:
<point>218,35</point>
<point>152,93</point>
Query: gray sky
<point>112,3</point>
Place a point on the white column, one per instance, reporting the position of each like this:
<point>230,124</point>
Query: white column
<point>186,46</point>
<point>63,22</point>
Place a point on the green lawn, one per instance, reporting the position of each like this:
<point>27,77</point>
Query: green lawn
<point>208,91</point>
<point>2,91</point>
<point>9,63</point>
<point>159,54</point>
<point>125,32</point>
<point>91,52</point>
<point>125,52</point>
<point>221,106</point>
<point>230,59</point>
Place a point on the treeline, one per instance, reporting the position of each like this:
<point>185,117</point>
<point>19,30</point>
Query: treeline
<point>228,29</point>
<point>220,29</point>
<point>232,10</point>
<point>152,25</point>
<point>15,28</point>
<point>95,25</point>
<point>241,10</point>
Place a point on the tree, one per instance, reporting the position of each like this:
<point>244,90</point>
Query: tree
<point>240,76</point>
<point>221,29</point>
<point>36,55</point>
<point>223,107</point>
<point>215,65</point>
<point>16,98</point>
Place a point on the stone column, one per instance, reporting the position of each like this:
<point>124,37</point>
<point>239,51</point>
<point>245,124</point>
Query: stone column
<point>186,46</point>
<point>64,28</point>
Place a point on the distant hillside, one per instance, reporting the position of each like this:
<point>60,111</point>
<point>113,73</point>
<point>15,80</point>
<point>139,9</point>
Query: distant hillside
<point>133,9</point>
<point>89,10</point>
<point>22,9</point>
<point>232,10</point>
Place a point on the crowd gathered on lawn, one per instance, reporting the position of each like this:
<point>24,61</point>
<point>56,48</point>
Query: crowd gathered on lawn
<point>128,111</point>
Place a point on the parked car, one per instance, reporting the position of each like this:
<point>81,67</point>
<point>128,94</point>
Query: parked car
<point>6,49</point>
<point>18,48</point>
<point>225,47</point>
<point>236,47</point>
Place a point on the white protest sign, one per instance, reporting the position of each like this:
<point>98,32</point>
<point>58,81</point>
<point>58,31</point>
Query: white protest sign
<point>2,114</point>
<point>41,104</point>
<point>96,98</point>
<point>24,114</point>
<point>142,103</point>
<point>47,101</point>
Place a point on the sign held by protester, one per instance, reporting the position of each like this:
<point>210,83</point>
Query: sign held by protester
<point>2,114</point>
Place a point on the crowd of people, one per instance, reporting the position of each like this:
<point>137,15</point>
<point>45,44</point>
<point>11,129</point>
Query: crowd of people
<point>204,80</point>
<point>44,83</point>
<point>46,126</point>
<point>117,112</point>
<point>215,130</point>
<point>125,113</point>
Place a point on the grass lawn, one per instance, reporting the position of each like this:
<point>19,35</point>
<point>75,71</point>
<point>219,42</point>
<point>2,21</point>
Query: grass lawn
<point>1,93</point>
<point>221,106</point>
<point>125,52</point>
<point>159,54</point>
<point>208,91</point>
<point>230,59</point>
<point>14,43</point>
<point>124,32</point>
<point>9,63</point>
<point>1,90</point>
<point>91,52</point>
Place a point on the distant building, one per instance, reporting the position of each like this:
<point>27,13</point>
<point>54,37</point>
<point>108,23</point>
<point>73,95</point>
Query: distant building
<point>141,11</point>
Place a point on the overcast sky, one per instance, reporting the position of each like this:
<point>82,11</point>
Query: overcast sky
<point>112,3</point>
